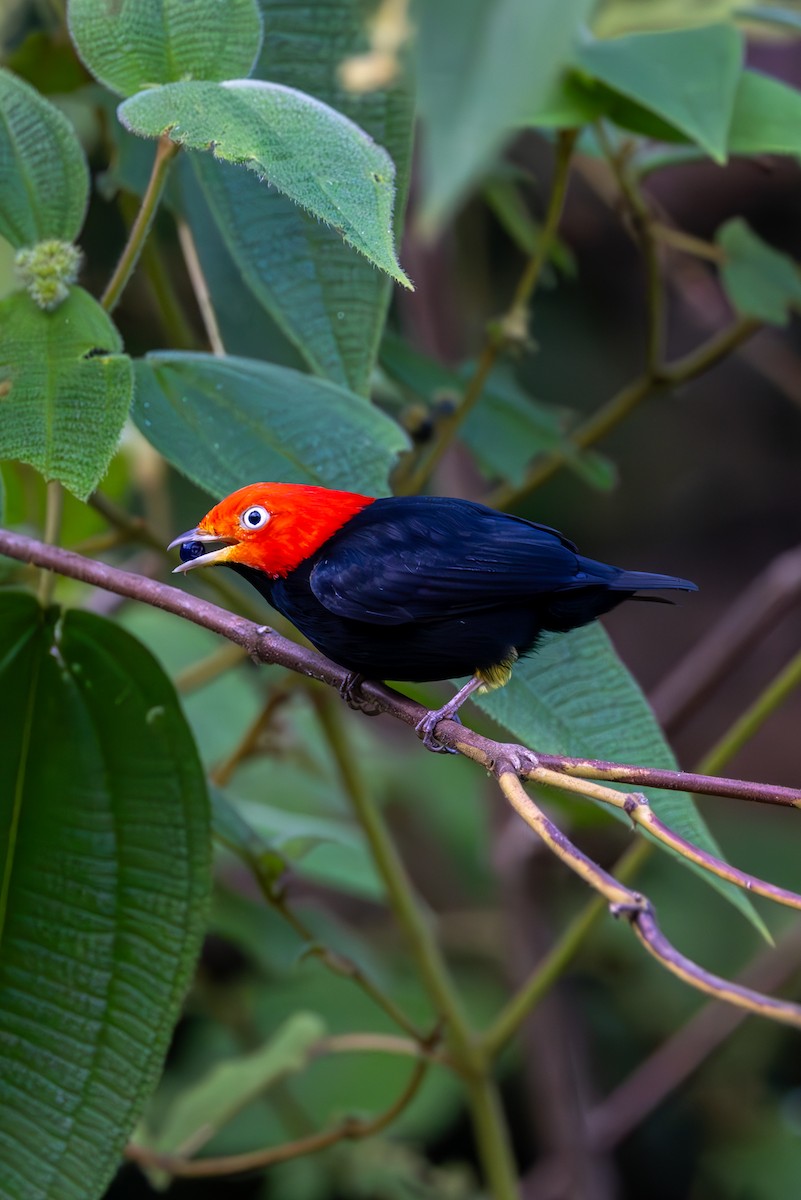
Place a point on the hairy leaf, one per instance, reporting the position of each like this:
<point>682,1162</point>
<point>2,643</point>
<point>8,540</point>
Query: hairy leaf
<point>45,180</point>
<point>227,422</point>
<point>686,77</point>
<point>104,878</point>
<point>575,697</point>
<point>130,45</point>
<point>484,65</point>
<point>760,281</point>
<point>65,388</point>
<point>319,159</point>
<point>330,303</point>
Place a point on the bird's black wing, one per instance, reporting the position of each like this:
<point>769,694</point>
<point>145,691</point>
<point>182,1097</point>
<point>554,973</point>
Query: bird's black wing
<point>420,558</point>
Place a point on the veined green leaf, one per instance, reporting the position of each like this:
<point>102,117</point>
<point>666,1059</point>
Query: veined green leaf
<point>104,880</point>
<point>224,422</point>
<point>760,282</point>
<point>134,44</point>
<point>319,159</point>
<point>686,77</point>
<point>65,388</point>
<point>45,180</point>
<point>329,302</point>
<point>575,697</point>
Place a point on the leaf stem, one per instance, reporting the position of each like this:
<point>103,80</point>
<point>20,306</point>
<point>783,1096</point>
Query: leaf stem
<point>510,329</point>
<point>52,534</point>
<point>492,1135</point>
<point>166,151</point>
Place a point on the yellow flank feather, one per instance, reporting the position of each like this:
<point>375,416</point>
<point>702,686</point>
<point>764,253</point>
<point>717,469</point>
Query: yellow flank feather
<point>497,675</point>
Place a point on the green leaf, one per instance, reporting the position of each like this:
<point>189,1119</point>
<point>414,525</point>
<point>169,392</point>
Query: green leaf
<point>568,103</point>
<point>686,77</point>
<point>65,388</point>
<point>319,159</point>
<point>484,66</point>
<point>45,185</point>
<point>766,118</point>
<point>760,282</point>
<point>575,697</point>
<point>225,422</point>
<point>134,44</point>
<point>200,1111</point>
<point>330,303</point>
<point>104,880</point>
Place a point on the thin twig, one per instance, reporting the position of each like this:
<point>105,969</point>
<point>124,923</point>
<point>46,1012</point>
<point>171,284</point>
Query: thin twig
<point>166,151</point>
<point>673,781</point>
<point>676,1059</point>
<point>623,902</point>
<point>200,288</point>
<point>639,811</point>
<point>349,1129</point>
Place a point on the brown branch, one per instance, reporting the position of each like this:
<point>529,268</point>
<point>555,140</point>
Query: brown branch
<point>264,645</point>
<point>673,781</point>
<point>624,902</point>
<point>676,1059</point>
<point>349,1129</point>
<point>507,762</point>
<point>639,811</point>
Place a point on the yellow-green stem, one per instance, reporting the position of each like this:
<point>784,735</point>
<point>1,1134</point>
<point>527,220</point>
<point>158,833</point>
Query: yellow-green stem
<point>492,1135</point>
<point>52,533</point>
<point>165,153</point>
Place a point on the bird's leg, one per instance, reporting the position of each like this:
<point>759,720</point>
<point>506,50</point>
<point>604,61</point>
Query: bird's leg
<point>449,712</point>
<point>351,692</point>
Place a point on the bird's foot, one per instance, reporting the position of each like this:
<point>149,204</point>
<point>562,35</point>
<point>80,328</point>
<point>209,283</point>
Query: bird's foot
<point>426,727</point>
<point>351,692</point>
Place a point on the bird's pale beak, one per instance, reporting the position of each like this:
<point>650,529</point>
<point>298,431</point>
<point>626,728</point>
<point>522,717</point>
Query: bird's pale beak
<point>203,560</point>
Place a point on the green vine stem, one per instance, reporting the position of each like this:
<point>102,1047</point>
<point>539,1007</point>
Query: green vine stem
<point>510,329</point>
<point>490,1127</point>
<point>166,151</point>
<point>52,535</point>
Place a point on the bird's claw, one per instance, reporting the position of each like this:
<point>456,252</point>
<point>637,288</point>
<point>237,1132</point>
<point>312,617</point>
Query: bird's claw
<point>425,729</point>
<point>351,692</point>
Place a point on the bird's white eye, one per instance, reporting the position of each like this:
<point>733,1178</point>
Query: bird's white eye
<point>255,517</point>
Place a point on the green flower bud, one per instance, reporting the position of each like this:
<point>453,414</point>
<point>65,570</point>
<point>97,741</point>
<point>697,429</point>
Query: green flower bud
<point>46,270</point>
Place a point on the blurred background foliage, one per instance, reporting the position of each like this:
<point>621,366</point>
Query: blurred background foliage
<point>615,1086</point>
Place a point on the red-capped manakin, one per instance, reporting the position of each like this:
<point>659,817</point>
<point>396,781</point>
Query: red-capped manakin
<point>411,588</point>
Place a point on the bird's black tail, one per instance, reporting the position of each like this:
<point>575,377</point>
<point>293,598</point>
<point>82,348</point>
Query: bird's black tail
<point>644,581</point>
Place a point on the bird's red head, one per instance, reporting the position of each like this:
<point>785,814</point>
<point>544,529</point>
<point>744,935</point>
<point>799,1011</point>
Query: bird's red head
<point>271,526</point>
